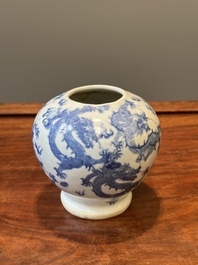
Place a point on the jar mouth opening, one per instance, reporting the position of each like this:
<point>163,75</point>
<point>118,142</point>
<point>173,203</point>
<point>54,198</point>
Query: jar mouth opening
<point>96,94</point>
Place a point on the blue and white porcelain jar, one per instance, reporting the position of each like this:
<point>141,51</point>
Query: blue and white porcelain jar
<point>96,143</point>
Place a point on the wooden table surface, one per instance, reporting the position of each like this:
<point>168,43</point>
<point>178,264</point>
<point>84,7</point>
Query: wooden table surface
<point>160,226</point>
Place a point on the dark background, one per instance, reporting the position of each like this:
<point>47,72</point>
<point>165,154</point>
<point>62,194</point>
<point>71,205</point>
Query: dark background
<point>148,47</point>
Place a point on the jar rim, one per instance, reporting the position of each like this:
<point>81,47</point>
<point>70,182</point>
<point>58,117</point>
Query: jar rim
<point>98,88</point>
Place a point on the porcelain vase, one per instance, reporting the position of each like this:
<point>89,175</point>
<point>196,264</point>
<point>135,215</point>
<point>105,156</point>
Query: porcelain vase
<point>96,143</point>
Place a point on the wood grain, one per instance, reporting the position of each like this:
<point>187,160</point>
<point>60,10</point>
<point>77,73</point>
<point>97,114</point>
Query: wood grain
<point>159,227</point>
<point>159,107</point>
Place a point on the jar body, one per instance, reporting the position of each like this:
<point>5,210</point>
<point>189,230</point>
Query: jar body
<point>96,151</point>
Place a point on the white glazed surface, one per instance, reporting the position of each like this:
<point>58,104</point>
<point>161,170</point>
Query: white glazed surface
<point>98,151</point>
<point>95,209</point>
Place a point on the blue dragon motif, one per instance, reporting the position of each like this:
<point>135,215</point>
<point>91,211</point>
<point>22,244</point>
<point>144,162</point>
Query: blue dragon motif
<point>79,135</point>
<point>129,127</point>
<point>69,124</point>
<point>110,174</point>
